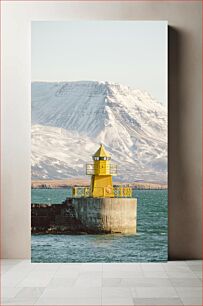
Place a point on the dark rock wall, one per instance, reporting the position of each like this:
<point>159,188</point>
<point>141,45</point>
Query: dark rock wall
<point>55,218</point>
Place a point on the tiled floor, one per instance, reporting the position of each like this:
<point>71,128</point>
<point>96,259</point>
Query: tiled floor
<point>172,283</point>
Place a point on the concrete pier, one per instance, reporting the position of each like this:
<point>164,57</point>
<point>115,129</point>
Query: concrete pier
<point>86,215</point>
<point>112,215</point>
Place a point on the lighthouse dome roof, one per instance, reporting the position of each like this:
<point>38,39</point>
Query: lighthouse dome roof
<point>101,152</point>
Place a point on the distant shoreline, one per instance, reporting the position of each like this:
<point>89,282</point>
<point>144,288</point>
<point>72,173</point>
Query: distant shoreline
<point>67,183</point>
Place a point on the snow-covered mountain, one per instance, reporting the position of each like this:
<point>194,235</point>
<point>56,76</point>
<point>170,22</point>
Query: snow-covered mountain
<point>71,119</point>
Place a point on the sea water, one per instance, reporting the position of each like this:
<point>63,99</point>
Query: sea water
<point>149,244</point>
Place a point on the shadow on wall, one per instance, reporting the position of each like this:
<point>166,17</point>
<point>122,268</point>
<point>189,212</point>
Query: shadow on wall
<point>183,210</point>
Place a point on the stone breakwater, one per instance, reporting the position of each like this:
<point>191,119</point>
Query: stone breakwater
<point>85,216</point>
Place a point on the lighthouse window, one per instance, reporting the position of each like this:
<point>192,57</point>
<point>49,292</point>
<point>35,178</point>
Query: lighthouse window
<point>101,158</point>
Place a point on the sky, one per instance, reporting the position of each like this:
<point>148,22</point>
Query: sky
<point>132,53</point>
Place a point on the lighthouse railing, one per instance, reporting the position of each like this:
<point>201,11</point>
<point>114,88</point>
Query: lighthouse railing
<point>122,192</point>
<point>118,191</point>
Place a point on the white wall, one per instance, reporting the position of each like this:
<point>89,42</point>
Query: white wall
<point>184,113</point>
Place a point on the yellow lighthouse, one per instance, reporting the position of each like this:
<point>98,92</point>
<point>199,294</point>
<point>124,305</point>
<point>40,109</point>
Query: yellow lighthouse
<point>101,185</point>
<point>101,171</point>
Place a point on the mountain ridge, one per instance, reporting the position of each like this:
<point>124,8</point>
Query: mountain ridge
<point>80,115</point>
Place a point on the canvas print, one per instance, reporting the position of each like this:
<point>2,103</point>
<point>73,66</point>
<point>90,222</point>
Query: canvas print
<point>99,141</point>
